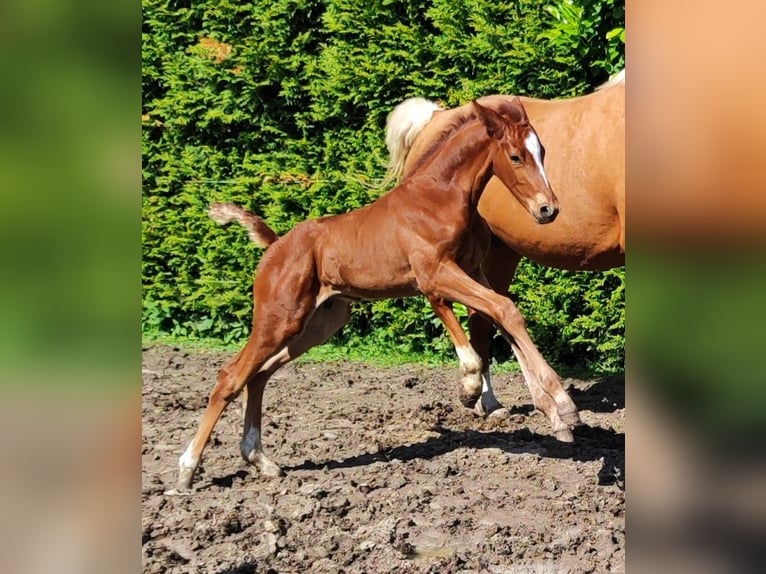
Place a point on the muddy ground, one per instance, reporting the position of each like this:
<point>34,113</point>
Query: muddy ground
<point>385,472</point>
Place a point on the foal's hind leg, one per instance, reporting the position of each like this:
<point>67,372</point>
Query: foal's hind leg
<point>251,447</point>
<point>252,367</point>
<point>280,315</point>
<point>231,380</point>
<point>324,322</point>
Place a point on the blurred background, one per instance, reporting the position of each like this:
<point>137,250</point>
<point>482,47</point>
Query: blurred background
<point>70,291</point>
<point>697,228</point>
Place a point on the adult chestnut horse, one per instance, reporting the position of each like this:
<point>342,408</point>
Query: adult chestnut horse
<point>424,236</point>
<point>585,143</point>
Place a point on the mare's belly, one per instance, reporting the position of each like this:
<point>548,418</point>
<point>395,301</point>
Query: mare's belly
<point>585,235</point>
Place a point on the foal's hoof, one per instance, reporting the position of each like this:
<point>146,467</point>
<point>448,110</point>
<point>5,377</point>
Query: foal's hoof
<point>489,410</point>
<point>270,470</point>
<point>184,482</point>
<point>572,419</point>
<point>177,492</point>
<point>499,414</point>
<point>564,435</point>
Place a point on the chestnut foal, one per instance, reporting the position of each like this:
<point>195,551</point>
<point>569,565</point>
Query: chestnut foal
<point>424,236</point>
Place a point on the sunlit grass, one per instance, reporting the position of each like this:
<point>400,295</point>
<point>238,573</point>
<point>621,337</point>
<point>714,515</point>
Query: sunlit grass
<point>364,353</point>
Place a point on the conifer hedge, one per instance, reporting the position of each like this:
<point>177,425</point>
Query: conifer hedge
<point>280,105</point>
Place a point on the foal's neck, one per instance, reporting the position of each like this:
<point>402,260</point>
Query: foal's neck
<point>464,164</point>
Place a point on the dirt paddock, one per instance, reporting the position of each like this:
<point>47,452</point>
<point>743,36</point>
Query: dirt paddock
<point>385,472</point>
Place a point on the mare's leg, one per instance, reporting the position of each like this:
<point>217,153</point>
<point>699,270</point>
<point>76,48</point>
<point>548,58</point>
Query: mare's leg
<point>448,281</point>
<point>324,322</point>
<point>498,268</point>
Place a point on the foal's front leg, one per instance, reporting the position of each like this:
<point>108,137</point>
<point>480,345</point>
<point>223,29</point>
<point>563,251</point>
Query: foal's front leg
<point>449,281</point>
<point>497,272</point>
<point>473,379</point>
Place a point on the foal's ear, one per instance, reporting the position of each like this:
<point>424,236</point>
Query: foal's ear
<point>493,121</point>
<point>516,103</point>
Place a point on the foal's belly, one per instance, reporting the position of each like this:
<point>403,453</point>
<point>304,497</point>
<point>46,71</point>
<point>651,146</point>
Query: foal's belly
<point>369,275</point>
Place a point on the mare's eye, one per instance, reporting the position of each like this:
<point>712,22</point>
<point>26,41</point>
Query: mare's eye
<point>516,159</point>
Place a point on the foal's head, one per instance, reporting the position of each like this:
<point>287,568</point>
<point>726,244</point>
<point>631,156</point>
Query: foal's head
<point>518,159</point>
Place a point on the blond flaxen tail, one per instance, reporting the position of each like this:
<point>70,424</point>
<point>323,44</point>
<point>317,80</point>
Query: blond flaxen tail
<point>403,125</point>
<point>260,233</point>
<point>616,80</point>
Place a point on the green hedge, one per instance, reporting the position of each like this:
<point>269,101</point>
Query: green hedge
<point>280,105</point>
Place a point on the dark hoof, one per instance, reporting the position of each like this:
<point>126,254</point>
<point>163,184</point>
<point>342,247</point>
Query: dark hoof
<point>467,401</point>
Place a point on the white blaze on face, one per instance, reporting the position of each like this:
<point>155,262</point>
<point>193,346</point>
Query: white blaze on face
<point>533,146</point>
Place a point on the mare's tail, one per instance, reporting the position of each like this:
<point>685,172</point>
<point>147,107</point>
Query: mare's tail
<point>402,126</point>
<point>260,233</point>
<point>616,80</point>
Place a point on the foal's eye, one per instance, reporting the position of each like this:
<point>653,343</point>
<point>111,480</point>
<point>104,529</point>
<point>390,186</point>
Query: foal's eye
<point>516,159</point>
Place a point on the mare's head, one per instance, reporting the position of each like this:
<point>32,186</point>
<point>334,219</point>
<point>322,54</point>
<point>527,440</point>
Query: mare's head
<point>518,159</point>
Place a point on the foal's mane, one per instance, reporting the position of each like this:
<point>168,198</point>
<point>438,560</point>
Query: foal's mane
<point>461,116</point>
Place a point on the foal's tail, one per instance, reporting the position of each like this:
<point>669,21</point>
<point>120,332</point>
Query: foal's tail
<point>260,233</point>
<point>402,126</point>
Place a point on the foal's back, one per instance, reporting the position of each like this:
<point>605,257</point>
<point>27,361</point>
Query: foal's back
<point>369,252</point>
<point>365,253</point>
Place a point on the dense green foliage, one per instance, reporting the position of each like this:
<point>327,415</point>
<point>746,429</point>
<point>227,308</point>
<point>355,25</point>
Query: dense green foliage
<point>280,106</point>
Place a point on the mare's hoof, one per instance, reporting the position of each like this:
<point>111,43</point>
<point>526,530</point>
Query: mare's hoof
<point>564,435</point>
